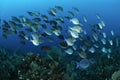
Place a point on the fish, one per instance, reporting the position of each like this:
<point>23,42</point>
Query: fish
<point>35,39</point>
<point>45,18</point>
<point>63,44</point>
<point>104,50</point>
<point>52,12</point>
<point>83,48</point>
<point>44,34</point>
<point>87,42</point>
<point>15,19</point>
<point>71,14</point>
<point>84,19</point>
<point>36,20</point>
<point>95,36</point>
<point>74,47</point>
<point>82,54</point>
<point>112,32</point>
<point>103,41</point>
<point>57,32</point>
<point>70,41</point>
<point>92,50</point>
<point>111,42</point>
<point>74,34</point>
<point>104,34</point>
<point>68,17</point>
<point>98,16</point>
<point>76,9</point>
<point>59,8</point>
<point>44,26</point>
<point>27,37</point>
<point>60,20</point>
<point>50,39</point>
<point>48,32</point>
<point>78,29</point>
<point>61,37</point>
<point>53,23</point>
<point>46,48</point>
<point>83,64</point>
<point>96,46</point>
<point>75,21</point>
<point>69,51</point>
<point>109,50</point>
<point>80,37</point>
<point>35,13</point>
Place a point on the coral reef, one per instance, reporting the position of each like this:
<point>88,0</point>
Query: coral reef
<point>55,66</point>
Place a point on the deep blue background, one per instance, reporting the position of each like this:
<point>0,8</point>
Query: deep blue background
<point>108,9</point>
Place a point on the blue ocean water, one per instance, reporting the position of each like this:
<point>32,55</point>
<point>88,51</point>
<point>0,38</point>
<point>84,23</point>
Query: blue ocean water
<point>108,9</point>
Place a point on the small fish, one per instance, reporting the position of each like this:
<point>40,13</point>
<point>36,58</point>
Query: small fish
<point>83,64</point>
<point>84,18</point>
<point>83,48</point>
<point>104,34</point>
<point>76,9</point>
<point>50,39</point>
<point>15,19</point>
<point>74,34</point>
<point>104,50</point>
<point>46,48</point>
<point>44,26</point>
<point>69,51</point>
<point>80,37</point>
<point>111,42</point>
<point>87,42</point>
<point>48,32</point>
<point>37,20</point>
<point>52,12</point>
<point>63,44</point>
<point>98,16</point>
<point>103,41</point>
<point>60,20</point>
<point>78,29</point>
<point>53,23</point>
<point>75,21</point>
<point>61,37</point>
<point>45,18</point>
<point>74,47</point>
<point>35,39</point>
<point>59,8</point>
<point>112,32</point>
<point>95,36</point>
<point>96,46</point>
<point>99,26</point>
<point>35,13</point>
<point>109,50</point>
<point>82,54</point>
<point>70,41</point>
<point>57,32</point>
<point>44,34</point>
<point>92,50</point>
<point>71,14</point>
